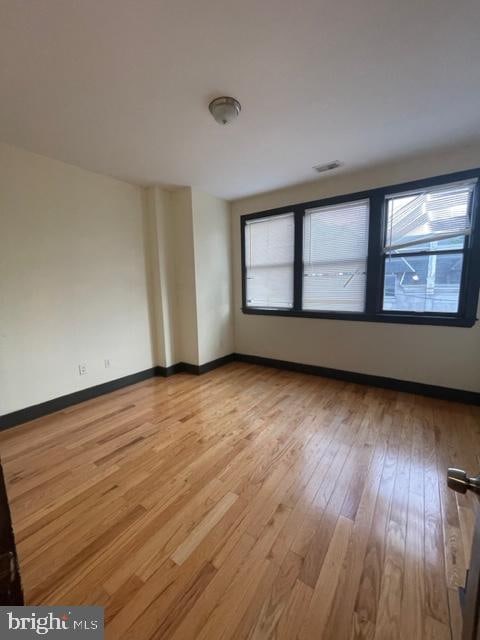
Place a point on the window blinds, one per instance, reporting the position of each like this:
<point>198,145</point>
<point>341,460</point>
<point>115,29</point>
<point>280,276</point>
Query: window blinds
<point>269,250</point>
<point>416,220</point>
<point>424,244</point>
<point>335,249</point>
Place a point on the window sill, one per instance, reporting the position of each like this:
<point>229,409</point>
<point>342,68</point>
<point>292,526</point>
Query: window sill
<point>392,318</point>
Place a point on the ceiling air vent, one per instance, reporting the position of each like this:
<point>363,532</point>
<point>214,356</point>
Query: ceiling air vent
<point>328,166</point>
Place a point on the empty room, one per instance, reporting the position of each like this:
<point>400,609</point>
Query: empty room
<point>239,337</point>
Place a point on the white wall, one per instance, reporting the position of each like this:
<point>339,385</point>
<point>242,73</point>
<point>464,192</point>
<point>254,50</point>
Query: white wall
<point>211,223</point>
<point>191,280</point>
<point>447,356</point>
<point>185,278</point>
<point>73,286</point>
<point>160,248</point>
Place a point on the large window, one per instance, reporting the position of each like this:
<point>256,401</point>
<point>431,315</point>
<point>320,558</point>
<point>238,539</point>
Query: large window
<point>269,262</point>
<point>335,249</point>
<point>425,235</point>
<point>405,253</point>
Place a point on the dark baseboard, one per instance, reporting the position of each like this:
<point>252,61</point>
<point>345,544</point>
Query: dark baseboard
<point>57,404</point>
<point>433,391</point>
<point>166,372</point>
<point>213,364</point>
<point>194,369</point>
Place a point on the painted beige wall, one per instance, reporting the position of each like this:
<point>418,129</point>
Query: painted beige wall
<point>185,282</point>
<point>160,247</point>
<point>189,253</point>
<point>211,223</point>
<point>447,356</point>
<point>73,286</point>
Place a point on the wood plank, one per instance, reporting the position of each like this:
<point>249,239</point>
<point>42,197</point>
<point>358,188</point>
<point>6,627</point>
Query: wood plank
<point>189,545</point>
<point>295,612</point>
<point>413,612</point>
<point>327,583</point>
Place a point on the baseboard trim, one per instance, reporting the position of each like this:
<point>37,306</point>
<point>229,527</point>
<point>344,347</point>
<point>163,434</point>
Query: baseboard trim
<point>194,369</point>
<point>166,372</point>
<point>213,364</point>
<point>432,391</point>
<point>57,404</point>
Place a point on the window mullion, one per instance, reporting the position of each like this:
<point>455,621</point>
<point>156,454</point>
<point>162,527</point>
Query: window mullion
<point>469,290</point>
<point>375,260</point>
<point>298,260</point>
<point>416,254</point>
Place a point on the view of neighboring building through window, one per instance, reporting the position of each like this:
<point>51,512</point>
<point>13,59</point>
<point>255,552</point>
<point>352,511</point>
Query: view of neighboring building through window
<point>425,236</point>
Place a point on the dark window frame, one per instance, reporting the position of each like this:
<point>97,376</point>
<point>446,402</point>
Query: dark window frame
<point>470,284</point>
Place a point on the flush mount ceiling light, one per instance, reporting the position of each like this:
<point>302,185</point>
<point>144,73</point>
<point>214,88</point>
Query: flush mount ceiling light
<point>328,166</point>
<point>224,109</point>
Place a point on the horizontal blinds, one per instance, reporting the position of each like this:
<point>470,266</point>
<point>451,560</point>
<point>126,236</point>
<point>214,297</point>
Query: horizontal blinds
<point>269,251</point>
<point>435,218</point>
<point>335,249</point>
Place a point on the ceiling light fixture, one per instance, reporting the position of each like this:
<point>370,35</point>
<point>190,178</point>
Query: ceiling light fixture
<point>328,166</point>
<point>224,109</point>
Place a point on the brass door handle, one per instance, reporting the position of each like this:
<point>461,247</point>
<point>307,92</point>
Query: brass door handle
<point>459,481</point>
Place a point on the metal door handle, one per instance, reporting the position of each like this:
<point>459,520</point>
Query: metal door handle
<point>458,480</point>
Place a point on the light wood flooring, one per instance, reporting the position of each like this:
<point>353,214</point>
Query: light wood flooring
<point>248,503</point>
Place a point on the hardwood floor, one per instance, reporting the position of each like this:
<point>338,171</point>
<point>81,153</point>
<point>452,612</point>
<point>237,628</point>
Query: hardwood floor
<point>248,503</point>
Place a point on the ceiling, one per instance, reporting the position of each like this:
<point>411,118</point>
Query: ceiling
<point>122,86</point>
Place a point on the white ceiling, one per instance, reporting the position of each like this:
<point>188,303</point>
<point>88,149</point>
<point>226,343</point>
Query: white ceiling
<point>122,86</point>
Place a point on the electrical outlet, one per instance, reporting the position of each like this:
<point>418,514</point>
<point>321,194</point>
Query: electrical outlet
<point>82,369</point>
<point>107,363</point>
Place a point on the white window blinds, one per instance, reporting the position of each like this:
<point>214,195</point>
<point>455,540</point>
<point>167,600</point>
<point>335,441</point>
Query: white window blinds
<point>424,248</point>
<point>269,249</point>
<point>335,249</point>
<point>434,218</point>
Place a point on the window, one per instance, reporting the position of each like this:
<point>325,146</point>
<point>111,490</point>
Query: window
<point>269,262</point>
<point>335,248</point>
<point>406,253</point>
<point>425,235</point>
